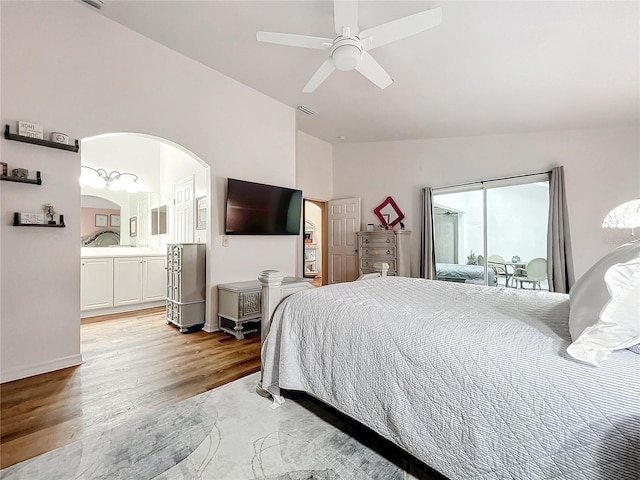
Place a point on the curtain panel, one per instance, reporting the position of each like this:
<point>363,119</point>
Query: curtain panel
<point>427,249</point>
<point>559,253</point>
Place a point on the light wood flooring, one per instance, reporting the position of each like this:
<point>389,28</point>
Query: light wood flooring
<point>134,363</point>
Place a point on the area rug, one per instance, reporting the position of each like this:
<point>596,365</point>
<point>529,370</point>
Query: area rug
<point>229,433</point>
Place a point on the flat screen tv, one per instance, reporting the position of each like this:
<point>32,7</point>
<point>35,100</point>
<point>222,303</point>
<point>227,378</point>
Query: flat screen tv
<point>257,209</point>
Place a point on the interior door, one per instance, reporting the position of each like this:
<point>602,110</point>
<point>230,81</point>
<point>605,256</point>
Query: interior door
<point>344,222</point>
<point>183,210</point>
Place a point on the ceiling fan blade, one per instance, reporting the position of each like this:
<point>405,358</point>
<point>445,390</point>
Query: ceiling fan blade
<point>373,71</point>
<point>401,28</point>
<point>320,76</point>
<point>292,40</point>
<point>345,14</point>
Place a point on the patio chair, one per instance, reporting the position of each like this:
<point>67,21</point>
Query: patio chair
<point>498,268</point>
<point>534,273</point>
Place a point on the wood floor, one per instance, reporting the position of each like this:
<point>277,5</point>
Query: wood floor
<point>134,363</point>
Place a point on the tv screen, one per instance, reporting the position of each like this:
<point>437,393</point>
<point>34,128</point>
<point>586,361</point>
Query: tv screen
<point>257,209</point>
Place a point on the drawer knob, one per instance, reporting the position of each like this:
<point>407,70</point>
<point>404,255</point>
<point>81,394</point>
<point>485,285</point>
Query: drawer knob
<point>388,240</point>
<point>366,240</point>
<point>388,252</point>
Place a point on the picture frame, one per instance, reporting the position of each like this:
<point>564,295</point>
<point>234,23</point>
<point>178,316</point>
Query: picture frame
<point>102,220</point>
<point>201,213</point>
<point>133,227</point>
<point>114,220</point>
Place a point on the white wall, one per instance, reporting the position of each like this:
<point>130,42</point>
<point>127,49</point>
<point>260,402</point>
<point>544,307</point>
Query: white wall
<point>73,71</point>
<point>314,167</point>
<point>602,170</point>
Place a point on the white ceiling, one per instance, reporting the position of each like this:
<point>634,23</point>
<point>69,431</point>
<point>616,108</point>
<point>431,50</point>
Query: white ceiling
<point>491,67</point>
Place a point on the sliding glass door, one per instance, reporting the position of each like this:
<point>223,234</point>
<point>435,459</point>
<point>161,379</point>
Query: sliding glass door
<point>486,233</point>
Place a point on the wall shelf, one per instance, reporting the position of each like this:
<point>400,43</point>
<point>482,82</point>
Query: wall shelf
<point>33,181</point>
<point>37,141</point>
<point>16,222</point>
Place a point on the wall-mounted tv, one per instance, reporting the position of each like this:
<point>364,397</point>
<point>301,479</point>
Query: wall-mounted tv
<point>258,209</point>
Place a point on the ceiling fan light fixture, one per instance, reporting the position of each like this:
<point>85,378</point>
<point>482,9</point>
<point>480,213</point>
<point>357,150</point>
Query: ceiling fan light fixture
<point>346,56</point>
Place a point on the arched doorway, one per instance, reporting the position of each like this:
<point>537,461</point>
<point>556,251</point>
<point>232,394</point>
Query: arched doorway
<point>150,167</point>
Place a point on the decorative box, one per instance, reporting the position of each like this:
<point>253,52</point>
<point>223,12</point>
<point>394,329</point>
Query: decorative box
<point>60,137</point>
<point>32,218</point>
<point>28,129</point>
<point>20,173</point>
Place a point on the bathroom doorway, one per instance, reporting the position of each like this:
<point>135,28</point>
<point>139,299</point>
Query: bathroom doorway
<point>314,241</point>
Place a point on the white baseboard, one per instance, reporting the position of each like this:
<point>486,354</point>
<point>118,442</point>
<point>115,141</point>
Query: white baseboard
<point>38,368</point>
<point>121,309</point>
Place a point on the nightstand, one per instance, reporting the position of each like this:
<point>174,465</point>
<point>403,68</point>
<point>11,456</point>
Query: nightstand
<point>239,303</point>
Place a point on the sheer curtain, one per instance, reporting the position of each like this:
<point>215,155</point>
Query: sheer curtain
<point>427,250</point>
<point>559,256</point>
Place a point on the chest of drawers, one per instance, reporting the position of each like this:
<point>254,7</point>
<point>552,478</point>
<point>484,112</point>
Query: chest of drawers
<point>389,246</point>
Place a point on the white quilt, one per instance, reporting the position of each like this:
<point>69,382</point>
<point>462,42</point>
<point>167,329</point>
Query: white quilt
<point>474,381</point>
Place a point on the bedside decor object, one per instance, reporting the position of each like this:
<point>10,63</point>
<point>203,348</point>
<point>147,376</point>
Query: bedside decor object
<point>59,138</point>
<point>388,213</point>
<point>114,220</point>
<point>101,220</point>
<point>133,227</point>
<point>22,173</point>
<point>49,211</point>
<point>201,213</point>
<point>32,130</point>
<point>25,218</point>
<point>626,215</point>
<point>369,227</point>
<point>515,259</point>
<point>5,168</point>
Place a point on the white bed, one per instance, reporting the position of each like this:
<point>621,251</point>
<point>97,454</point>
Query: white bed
<point>474,381</point>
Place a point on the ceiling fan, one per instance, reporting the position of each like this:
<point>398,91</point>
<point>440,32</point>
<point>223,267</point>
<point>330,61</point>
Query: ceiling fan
<point>349,50</point>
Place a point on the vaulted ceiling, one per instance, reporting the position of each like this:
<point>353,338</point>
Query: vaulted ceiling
<point>490,67</point>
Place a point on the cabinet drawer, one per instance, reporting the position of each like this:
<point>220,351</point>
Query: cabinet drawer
<point>366,264</point>
<point>378,239</point>
<point>379,250</point>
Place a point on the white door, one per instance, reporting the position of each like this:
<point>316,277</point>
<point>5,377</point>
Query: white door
<point>127,285</point>
<point>96,287</point>
<point>344,222</point>
<point>183,210</point>
<point>154,280</point>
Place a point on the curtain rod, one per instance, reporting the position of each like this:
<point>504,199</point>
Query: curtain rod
<point>493,180</point>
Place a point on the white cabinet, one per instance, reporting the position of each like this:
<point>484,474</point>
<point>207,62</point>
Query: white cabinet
<point>389,246</point>
<point>127,285</point>
<point>139,279</point>
<point>118,284</point>
<point>96,283</point>
<point>154,278</point>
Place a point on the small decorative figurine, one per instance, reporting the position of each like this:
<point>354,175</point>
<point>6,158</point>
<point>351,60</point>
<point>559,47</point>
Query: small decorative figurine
<point>50,211</point>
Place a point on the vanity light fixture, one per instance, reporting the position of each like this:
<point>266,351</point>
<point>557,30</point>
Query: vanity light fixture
<point>99,178</point>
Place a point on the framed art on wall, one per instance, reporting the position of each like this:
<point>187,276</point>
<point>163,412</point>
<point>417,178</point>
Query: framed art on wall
<point>133,227</point>
<point>102,220</point>
<point>115,220</point>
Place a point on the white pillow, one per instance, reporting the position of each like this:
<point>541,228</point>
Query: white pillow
<point>589,295</point>
<point>619,324</point>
